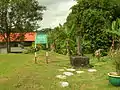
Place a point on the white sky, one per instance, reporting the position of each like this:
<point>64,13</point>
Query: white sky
<point>57,12</point>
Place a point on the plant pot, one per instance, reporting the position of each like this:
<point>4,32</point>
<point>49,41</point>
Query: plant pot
<point>114,79</point>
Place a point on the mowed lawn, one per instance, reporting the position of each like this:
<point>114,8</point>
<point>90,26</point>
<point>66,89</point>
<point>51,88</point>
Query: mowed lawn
<point>18,72</point>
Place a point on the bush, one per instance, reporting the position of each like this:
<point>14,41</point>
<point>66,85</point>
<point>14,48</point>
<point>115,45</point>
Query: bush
<point>104,53</point>
<point>29,50</point>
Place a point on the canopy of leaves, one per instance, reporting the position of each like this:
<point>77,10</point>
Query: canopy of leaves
<point>20,15</point>
<point>92,18</point>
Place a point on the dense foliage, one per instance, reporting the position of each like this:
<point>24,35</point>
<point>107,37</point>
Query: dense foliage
<point>92,19</point>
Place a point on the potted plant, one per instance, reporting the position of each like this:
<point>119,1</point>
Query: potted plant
<point>114,77</point>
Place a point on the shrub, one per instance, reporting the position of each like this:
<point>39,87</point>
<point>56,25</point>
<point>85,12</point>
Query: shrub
<point>116,58</point>
<point>31,49</point>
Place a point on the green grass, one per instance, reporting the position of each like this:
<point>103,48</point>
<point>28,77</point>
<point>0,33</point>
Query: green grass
<point>18,72</point>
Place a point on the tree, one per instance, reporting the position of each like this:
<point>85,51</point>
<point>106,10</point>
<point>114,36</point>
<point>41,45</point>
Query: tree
<point>65,35</point>
<point>61,39</point>
<point>53,36</point>
<point>19,16</point>
<point>115,32</point>
<point>92,18</point>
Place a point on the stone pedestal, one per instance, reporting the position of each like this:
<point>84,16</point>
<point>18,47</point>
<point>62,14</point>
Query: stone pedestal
<point>79,61</point>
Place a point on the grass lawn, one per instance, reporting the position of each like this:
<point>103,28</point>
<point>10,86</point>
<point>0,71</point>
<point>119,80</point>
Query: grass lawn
<point>18,72</point>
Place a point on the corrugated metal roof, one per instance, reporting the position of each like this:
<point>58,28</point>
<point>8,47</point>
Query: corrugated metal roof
<point>30,36</point>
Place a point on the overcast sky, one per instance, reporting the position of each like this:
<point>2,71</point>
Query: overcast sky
<point>57,12</point>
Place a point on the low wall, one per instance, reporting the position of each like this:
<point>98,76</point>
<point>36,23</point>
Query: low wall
<point>3,50</point>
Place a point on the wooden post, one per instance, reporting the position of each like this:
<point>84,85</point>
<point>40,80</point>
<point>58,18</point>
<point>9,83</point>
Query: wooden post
<point>35,57</point>
<point>47,53</point>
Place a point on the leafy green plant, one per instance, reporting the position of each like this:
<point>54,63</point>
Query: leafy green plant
<point>66,34</point>
<point>31,49</point>
<point>92,18</point>
<point>116,58</point>
<point>115,32</point>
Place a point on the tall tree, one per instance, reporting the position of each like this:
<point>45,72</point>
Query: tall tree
<point>92,18</point>
<point>19,16</point>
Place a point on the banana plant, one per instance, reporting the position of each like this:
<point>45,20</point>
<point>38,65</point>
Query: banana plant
<point>66,35</point>
<point>115,31</point>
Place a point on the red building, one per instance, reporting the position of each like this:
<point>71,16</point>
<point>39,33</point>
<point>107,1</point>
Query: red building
<point>17,38</point>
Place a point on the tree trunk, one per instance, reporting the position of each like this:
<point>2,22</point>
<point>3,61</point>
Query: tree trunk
<point>68,50</point>
<point>53,48</point>
<point>79,49</point>
<point>68,47</point>
<point>113,45</point>
<point>8,42</point>
<point>119,45</point>
<point>7,31</point>
<point>112,48</point>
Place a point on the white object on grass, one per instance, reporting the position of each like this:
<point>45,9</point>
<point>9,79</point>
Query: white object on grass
<point>68,73</point>
<point>79,72</point>
<point>64,84</point>
<point>61,70</point>
<point>92,70</point>
<point>61,76</point>
<point>71,69</point>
